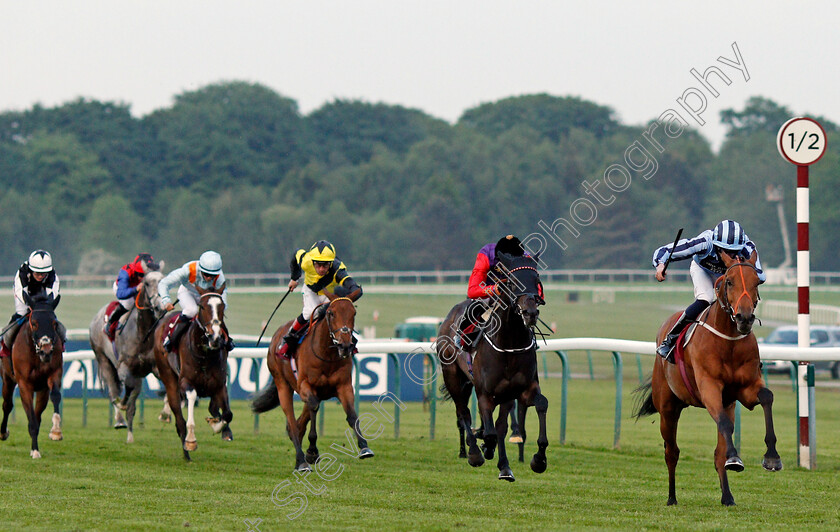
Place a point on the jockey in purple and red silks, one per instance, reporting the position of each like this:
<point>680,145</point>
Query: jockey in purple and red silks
<point>125,288</point>
<point>482,289</point>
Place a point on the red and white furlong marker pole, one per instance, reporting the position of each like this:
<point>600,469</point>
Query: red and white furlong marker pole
<point>802,141</point>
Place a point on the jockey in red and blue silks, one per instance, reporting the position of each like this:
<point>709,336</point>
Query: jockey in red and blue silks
<point>125,288</point>
<point>482,288</point>
<point>705,249</point>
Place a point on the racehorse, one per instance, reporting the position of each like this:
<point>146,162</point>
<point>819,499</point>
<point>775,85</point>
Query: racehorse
<point>36,365</point>
<point>197,368</point>
<point>323,370</point>
<point>719,365</point>
<point>504,366</point>
<point>130,358</point>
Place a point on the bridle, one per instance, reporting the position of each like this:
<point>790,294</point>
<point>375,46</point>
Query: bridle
<point>341,330</point>
<point>723,301</point>
<point>207,329</point>
<point>514,296</point>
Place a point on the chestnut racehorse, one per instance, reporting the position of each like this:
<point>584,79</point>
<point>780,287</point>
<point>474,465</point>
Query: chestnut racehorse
<point>324,370</point>
<point>36,365</point>
<point>197,368</point>
<point>718,366</point>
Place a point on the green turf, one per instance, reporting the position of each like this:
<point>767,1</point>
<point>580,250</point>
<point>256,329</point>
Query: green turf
<point>93,480</point>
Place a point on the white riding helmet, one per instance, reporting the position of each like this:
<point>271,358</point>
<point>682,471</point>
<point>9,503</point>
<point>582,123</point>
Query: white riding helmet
<point>40,261</point>
<point>210,263</point>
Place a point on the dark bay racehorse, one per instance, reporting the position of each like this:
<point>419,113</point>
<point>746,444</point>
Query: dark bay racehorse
<point>504,367</point>
<point>324,370</point>
<point>35,366</point>
<point>197,368</point>
<point>720,365</point>
<point>130,358</point>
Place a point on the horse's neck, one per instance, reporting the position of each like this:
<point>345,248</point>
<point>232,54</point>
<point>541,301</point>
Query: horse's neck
<point>319,337</point>
<point>145,320</point>
<point>512,330</point>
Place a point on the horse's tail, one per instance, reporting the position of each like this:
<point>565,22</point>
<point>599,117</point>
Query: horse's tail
<point>444,393</point>
<point>644,400</point>
<point>266,399</point>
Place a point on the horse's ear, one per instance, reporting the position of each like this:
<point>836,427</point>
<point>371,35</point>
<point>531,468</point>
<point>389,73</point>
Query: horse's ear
<point>727,260</point>
<point>161,265</point>
<point>55,302</point>
<point>27,299</point>
<point>224,285</point>
<point>753,257</point>
<point>201,291</point>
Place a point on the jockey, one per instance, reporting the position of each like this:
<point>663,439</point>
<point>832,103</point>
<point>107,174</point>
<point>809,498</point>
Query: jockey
<point>323,273</point>
<point>35,276</point>
<point>205,273</point>
<point>125,288</point>
<point>482,287</point>
<point>705,249</point>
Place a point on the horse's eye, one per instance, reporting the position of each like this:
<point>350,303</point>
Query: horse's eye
<point>728,283</point>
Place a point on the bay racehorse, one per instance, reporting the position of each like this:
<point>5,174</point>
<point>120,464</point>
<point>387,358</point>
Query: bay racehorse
<point>322,369</point>
<point>197,367</point>
<point>719,365</point>
<point>130,357</point>
<point>504,366</point>
<point>36,365</point>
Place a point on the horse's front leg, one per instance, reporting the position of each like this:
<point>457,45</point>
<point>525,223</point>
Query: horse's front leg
<point>33,406</point>
<point>772,461</point>
<point>501,430</point>
<point>131,406</point>
<point>347,399</point>
<point>55,397</point>
<point>8,403</point>
<point>522,410</point>
<point>190,442</point>
<point>485,409</point>
<point>221,423</point>
<point>723,459</point>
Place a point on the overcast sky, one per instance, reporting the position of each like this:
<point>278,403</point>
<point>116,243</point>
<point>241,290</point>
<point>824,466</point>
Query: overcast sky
<point>442,57</point>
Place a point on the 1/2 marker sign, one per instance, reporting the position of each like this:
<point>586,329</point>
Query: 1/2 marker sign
<point>801,141</point>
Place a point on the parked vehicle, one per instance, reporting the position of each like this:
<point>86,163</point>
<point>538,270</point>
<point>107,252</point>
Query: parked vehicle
<point>821,336</point>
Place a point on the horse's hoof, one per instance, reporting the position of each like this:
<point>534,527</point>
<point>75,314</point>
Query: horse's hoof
<point>165,418</point>
<point>311,458</point>
<point>734,464</point>
<point>365,453</point>
<point>538,464</point>
<point>476,460</point>
<point>462,454</point>
<point>4,436</point>
<point>304,467</point>
<point>129,438</point>
<point>120,425</point>
<point>56,436</point>
<point>772,464</point>
<point>672,502</point>
<point>506,474</point>
<point>516,438</point>
<point>35,454</point>
<point>190,445</point>
<point>227,436</point>
<point>727,501</point>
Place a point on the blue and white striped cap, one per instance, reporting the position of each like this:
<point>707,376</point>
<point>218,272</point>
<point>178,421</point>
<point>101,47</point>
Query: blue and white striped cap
<point>729,235</point>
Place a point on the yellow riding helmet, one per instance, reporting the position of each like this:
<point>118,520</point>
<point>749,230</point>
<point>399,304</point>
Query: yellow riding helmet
<point>322,251</point>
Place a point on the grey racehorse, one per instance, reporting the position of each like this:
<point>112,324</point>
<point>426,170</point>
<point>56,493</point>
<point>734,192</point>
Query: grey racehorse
<point>130,358</point>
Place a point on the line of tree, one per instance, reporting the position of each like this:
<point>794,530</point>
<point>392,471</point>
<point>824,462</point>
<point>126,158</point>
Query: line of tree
<point>237,168</point>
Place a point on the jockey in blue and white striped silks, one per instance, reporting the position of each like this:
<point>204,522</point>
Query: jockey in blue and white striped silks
<point>704,250</point>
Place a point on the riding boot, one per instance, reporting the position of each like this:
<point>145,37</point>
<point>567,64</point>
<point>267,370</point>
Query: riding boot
<point>171,341</point>
<point>666,349</point>
<point>113,321</point>
<point>292,338</point>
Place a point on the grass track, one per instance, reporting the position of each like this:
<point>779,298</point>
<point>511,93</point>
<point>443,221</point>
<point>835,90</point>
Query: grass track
<point>94,481</point>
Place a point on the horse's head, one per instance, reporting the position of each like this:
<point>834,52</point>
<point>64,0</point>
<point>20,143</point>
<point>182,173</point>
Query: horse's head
<point>43,325</point>
<point>341,318</point>
<point>521,286</point>
<point>737,290</point>
<point>147,296</point>
<point>211,316</point>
